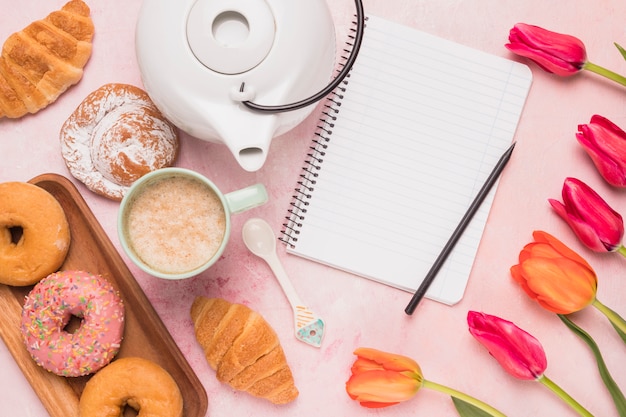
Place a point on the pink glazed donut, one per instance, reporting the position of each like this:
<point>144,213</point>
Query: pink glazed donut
<point>48,309</point>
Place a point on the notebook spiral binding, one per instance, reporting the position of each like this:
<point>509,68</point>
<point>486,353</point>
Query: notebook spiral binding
<point>315,158</point>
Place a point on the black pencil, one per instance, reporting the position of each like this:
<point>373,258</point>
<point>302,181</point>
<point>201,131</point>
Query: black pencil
<point>467,217</point>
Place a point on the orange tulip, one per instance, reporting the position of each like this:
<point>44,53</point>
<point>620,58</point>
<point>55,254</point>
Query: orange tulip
<point>555,276</point>
<point>380,379</point>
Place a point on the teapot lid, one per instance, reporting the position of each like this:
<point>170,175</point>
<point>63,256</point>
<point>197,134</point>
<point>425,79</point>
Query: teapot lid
<point>230,37</point>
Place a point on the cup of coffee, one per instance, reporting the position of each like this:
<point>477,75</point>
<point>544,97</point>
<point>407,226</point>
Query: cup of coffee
<point>174,223</point>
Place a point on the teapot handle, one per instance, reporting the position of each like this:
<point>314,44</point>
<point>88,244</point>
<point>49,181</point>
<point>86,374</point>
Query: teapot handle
<point>360,21</point>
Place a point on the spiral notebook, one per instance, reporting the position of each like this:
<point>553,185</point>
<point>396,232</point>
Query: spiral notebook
<point>402,149</point>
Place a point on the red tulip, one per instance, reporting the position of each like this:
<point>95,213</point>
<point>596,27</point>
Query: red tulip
<point>557,53</point>
<point>555,276</point>
<point>518,352</point>
<point>595,223</point>
<point>381,379</point>
<point>605,143</point>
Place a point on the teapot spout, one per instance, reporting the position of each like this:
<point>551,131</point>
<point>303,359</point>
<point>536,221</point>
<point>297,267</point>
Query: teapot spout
<point>249,139</point>
<point>251,158</point>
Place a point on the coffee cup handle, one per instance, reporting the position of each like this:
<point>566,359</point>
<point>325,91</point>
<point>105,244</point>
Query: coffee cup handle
<point>246,198</point>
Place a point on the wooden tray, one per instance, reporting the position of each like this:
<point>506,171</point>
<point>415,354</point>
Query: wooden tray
<point>145,334</point>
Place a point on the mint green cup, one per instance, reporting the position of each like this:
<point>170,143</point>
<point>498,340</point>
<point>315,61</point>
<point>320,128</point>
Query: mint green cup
<point>164,222</point>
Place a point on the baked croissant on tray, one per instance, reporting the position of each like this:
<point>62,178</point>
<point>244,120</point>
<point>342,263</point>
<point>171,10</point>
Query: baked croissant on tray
<point>44,59</point>
<point>243,349</point>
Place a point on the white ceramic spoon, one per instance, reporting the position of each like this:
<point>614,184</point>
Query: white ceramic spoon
<point>260,239</point>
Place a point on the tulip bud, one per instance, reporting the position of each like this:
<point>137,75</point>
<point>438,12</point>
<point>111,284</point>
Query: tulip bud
<point>595,223</point>
<point>518,352</point>
<point>605,143</point>
<point>380,379</point>
<point>555,276</point>
<point>557,53</point>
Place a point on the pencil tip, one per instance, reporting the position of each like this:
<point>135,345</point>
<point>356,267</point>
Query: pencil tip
<point>510,150</point>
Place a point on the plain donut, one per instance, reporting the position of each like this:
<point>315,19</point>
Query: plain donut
<point>34,234</point>
<point>136,382</point>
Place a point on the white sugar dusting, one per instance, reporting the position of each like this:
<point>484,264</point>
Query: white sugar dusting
<point>114,137</point>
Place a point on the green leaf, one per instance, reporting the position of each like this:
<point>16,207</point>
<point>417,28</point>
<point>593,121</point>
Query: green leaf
<point>468,410</point>
<point>618,397</point>
<point>620,49</point>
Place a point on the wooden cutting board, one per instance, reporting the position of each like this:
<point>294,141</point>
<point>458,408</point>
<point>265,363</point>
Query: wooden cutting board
<point>145,335</point>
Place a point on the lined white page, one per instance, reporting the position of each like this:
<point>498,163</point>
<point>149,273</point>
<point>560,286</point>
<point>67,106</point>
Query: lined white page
<point>421,125</point>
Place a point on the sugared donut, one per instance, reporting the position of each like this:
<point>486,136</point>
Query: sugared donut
<point>34,233</point>
<point>115,136</point>
<point>136,382</point>
<point>48,309</point>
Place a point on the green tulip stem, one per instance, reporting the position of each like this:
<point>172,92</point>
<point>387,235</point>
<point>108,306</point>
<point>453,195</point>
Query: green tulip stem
<point>564,396</point>
<point>616,320</point>
<point>590,66</point>
<point>463,397</point>
<point>622,250</point>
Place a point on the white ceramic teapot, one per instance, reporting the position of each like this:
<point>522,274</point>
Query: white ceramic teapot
<point>201,59</point>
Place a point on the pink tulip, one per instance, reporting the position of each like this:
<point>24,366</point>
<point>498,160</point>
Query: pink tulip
<point>595,223</point>
<point>519,353</point>
<point>605,143</point>
<point>557,53</point>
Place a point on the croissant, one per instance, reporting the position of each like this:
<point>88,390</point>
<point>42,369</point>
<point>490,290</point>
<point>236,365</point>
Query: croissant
<point>44,59</point>
<point>243,349</point>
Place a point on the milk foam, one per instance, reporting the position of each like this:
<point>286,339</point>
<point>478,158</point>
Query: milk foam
<point>176,224</point>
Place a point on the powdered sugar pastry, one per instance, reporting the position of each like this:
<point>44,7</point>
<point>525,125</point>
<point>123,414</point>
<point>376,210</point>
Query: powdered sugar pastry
<point>115,136</point>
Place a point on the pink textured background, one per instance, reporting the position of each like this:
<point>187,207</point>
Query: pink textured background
<point>359,312</point>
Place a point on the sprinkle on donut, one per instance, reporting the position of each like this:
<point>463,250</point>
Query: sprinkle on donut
<point>48,309</point>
